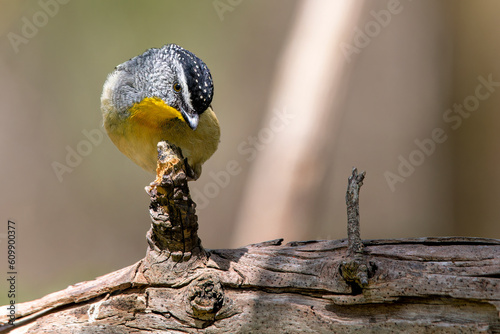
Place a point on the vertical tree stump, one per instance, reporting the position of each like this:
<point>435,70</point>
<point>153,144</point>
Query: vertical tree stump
<point>173,239</point>
<point>174,229</point>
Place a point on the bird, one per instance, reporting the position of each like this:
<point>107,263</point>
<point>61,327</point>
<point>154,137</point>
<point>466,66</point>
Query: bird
<point>164,94</point>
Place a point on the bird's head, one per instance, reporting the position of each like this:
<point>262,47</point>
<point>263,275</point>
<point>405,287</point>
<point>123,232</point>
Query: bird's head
<point>169,75</point>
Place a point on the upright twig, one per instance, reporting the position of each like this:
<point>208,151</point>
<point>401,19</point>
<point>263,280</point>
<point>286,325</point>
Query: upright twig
<point>354,184</point>
<point>355,268</point>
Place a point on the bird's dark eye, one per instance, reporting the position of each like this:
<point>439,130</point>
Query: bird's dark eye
<point>177,87</point>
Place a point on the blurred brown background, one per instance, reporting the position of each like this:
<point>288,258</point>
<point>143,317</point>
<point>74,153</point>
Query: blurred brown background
<point>363,109</point>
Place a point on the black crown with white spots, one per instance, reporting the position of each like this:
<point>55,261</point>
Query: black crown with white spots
<point>198,77</point>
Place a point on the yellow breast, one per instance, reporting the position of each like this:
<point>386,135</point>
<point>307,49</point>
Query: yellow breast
<point>151,121</point>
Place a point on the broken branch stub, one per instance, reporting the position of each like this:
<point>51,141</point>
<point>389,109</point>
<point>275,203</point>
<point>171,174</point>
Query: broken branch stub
<point>173,234</point>
<point>356,268</point>
<point>354,184</point>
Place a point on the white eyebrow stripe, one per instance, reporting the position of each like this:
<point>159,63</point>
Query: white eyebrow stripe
<point>183,82</point>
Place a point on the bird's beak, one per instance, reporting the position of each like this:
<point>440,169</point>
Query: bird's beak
<point>190,117</point>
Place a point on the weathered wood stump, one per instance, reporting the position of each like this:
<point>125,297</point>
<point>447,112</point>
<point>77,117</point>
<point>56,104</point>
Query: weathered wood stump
<point>421,285</point>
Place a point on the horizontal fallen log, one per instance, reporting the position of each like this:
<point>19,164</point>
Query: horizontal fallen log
<point>441,283</point>
<point>420,285</point>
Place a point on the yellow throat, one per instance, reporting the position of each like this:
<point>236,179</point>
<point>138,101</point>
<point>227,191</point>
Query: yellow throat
<point>137,133</point>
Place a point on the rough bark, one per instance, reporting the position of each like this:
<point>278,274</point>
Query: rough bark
<point>443,285</point>
<point>421,285</point>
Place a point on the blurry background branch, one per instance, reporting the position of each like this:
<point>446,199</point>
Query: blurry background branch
<point>309,75</point>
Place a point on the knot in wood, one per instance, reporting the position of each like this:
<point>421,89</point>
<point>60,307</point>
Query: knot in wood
<point>205,297</point>
<point>355,272</point>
